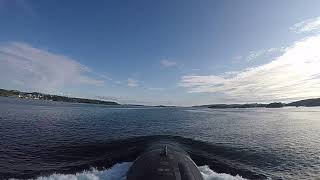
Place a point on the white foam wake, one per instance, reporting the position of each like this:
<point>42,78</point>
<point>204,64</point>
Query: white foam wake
<point>119,171</point>
<point>209,174</point>
<point>116,172</point>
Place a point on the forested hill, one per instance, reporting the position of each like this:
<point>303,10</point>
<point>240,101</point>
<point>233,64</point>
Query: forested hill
<point>305,102</point>
<point>41,96</point>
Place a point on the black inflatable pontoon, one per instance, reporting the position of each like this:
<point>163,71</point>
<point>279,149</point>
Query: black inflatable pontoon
<point>164,163</point>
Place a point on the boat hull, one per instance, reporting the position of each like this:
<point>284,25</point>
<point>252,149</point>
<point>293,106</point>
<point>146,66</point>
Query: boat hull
<point>164,164</point>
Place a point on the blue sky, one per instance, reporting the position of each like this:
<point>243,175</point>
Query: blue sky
<point>162,52</point>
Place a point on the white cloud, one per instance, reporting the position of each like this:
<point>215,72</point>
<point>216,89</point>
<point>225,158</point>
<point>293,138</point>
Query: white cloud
<point>132,82</point>
<point>308,25</point>
<point>293,75</point>
<point>168,63</point>
<point>41,70</point>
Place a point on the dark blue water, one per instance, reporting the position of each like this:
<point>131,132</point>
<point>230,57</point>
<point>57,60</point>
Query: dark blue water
<point>39,138</point>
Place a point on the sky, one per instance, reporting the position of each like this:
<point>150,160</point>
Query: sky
<point>169,52</point>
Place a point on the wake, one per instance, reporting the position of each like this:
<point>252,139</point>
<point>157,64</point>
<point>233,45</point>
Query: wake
<point>119,171</point>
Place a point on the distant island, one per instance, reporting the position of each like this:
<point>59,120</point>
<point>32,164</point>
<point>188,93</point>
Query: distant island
<point>164,106</point>
<point>49,97</point>
<point>305,103</point>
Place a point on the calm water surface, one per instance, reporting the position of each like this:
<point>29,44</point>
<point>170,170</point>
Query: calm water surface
<point>38,138</point>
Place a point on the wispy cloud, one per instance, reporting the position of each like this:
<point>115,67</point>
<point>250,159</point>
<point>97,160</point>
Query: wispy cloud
<point>294,74</point>
<point>132,82</point>
<point>41,70</point>
<point>21,5</point>
<point>105,76</point>
<point>308,25</point>
<point>155,89</point>
<point>256,54</point>
<point>263,52</point>
<point>195,69</point>
<point>237,58</point>
<point>167,63</point>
